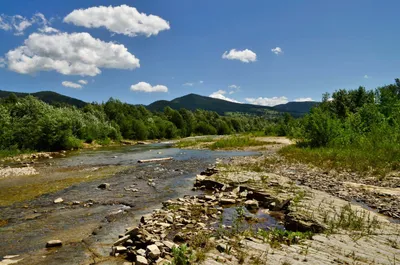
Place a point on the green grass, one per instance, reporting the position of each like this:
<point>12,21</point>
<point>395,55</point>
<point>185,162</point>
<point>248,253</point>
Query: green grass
<point>236,142</point>
<point>378,161</point>
<point>193,142</point>
<point>14,152</point>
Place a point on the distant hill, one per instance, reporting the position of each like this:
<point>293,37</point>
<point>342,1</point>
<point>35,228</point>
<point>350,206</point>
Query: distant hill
<point>49,97</point>
<point>300,108</point>
<point>193,102</point>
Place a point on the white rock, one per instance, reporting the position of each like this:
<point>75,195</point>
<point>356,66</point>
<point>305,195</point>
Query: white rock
<point>153,252</point>
<point>58,200</point>
<point>140,260</point>
<point>53,243</point>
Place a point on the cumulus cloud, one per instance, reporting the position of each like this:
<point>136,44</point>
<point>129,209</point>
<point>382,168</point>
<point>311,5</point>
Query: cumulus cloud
<point>47,29</point>
<point>2,62</point>
<point>119,19</point>
<point>220,95</point>
<point>69,54</point>
<point>146,87</point>
<point>83,82</point>
<point>71,85</point>
<point>188,84</point>
<point>277,50</point>
<point>245,56</point>
<point>366,77</point>
<point>303,99</point>
<point>234,86</point>
<point>267,101</point>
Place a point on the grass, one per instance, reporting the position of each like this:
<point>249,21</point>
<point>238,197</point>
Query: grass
<point>275,237</point>
<point>193,142</point>
<point>236,142</point>
<point>377,161</point>
<point>14,152</point>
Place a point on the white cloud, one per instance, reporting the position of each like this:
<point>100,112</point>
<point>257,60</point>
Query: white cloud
<point>18,24</point>
<point>267,101</point>
<point>47,29</point>
<point>69,54</point>
<point>2,62</point>
<point>188,84</point>
<point>71,85</point>
<point>146,87</point>
<point>4,25</point>
<point>234,86</point>
<point>201,81</point>
<point>277,50</point>
<point>366,77</point>
<point>120,19</point>
<point>245,56</point>
<point>303,99</point>
<point>220,95</point>
<point>83,82</point>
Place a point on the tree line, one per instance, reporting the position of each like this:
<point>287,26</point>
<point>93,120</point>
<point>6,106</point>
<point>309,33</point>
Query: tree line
<point>30,124</point>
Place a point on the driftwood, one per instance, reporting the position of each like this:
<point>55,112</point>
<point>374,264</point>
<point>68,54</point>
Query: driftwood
<point>155,160</point>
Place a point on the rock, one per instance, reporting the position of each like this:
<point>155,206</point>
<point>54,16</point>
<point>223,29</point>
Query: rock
<point>227,201</point>
<point>153,252</point>
<point>169,245</point>
<point>122,240</point>
<point>170,219</point>
<point>120,249</point>
<point>76,202</point>
<point>161,261</point>
<point>221,247</point>
<point>179,237</point>
<point>140,260</point>
<point>58,200</point>
<point>141,252</point>
<point>104,186</point>
<point>251,204</point>
<point>53,243</point>
<point>10,256</point>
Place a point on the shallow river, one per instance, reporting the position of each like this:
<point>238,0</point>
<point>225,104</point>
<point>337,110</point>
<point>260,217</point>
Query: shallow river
<point>90,219</point>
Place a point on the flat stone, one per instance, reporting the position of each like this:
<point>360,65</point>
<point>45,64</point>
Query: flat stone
<point>153,252</point>
<point>140,260</point>
<point>120,249</point>
<point>10,256</point>
<point>170,219</point>
<point>251,204</point>
<point>141,252</point>
<point>58,200</point>
<point>170,245</point>
<point>227,201</point>
<point>53,243</point>
<point>122,240</point>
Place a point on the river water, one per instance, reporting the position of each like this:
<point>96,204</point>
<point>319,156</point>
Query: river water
<point>90,219</point>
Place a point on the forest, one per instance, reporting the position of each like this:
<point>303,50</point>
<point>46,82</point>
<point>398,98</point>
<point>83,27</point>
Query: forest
<point>30,124</point>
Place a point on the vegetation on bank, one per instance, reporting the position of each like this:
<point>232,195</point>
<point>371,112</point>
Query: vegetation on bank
<point>354,129</point>
<point>30,124</point>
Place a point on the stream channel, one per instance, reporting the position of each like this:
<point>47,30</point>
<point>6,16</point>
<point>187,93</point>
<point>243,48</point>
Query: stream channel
<point>90,219</point>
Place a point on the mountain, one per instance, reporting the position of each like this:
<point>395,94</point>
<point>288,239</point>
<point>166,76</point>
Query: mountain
<point>193,102</point>
<point>300,108</point>
<point>49,97</point>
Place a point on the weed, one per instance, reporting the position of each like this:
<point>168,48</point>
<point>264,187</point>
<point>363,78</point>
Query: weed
<point>275,237</point>
<point>236,142</point>
<point>182,255</point>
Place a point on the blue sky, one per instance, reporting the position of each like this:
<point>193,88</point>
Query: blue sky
<point>324,46</point>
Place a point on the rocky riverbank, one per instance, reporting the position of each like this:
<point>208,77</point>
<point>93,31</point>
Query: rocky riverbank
<point>309,226</point>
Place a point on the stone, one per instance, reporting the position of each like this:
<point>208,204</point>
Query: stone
<point>227,201</point>
<point>153,252</point>
<point>122,240</point>
<point>58,200</point>
<point>53,243</point>
<point>170,219</point>
<point>140,260</point>
<point>251,204</point>
<point>221,247</point>
<point>161,261</point>
<point>10,256</point>
<point>179,237</point>
<point>120,249</point>
<point>104,186</point>
<point>141,252</point>
<point>170,245</point>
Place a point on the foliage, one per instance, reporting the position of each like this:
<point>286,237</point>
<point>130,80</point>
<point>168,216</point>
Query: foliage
<point>355,129</point>
<point>236,142</point>
<point>181,255</point>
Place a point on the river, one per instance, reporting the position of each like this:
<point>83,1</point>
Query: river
<point>89,219</point>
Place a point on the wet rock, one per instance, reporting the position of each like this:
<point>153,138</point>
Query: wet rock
<point>53,243</point>
<point>58,200</point>
<point>104,186</point>
<point>140,260</point>
<point>153,252</point>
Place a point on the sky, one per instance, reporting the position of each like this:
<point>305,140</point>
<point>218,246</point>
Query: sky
<point>139,51</point>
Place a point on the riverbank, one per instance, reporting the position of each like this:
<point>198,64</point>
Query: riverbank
<point>265,210</point>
